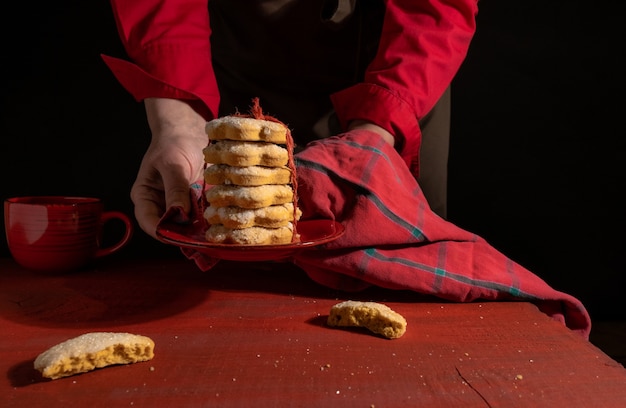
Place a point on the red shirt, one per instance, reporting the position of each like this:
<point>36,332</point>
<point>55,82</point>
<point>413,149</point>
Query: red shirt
<point>422,45</point>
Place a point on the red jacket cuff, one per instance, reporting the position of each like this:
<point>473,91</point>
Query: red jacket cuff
<point>141,85</point>
<point>380,106</point>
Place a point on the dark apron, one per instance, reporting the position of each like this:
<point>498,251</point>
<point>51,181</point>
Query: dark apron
<point>293,54</point>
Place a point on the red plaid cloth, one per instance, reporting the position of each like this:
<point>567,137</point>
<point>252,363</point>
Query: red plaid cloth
<point>394,240</point>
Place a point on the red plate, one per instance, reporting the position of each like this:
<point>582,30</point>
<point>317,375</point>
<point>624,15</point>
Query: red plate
<point>312,233</point>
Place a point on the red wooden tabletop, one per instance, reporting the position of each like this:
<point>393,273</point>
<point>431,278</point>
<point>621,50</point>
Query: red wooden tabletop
<point>254,334</point>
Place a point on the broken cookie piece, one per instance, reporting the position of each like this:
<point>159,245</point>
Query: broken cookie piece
<point>93,350</point>
<point>373,316</point>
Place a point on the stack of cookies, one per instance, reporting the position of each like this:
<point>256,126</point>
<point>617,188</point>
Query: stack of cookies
<point>252,200</point>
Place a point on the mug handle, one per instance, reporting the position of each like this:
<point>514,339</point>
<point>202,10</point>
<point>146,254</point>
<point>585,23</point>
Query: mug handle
<point>128,232</point>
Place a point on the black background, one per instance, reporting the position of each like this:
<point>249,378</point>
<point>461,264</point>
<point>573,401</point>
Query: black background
<point>537,157</point>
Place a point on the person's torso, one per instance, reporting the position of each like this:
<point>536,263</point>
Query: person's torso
<point>292,54</point>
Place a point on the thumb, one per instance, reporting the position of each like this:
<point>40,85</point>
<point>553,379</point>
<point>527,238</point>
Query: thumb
<point>176,188</point>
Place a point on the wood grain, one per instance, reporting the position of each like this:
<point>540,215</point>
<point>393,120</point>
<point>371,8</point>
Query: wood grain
<point>254,334</point>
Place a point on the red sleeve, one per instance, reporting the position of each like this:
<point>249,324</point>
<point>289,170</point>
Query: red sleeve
<point>169,45</point>
<point>422,46</point>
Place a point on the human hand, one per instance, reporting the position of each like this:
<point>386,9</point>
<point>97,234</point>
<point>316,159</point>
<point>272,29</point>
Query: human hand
<point>173,160</point>
<point>362,124</point>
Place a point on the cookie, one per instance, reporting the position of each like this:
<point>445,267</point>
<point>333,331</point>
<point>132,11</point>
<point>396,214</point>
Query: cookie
<point>244,128</point>
<point>220,234</point>
<point>376,317</point>
<point>273,216</point>
<point>249,197</point>
<point>246,176</point>
<point>93,350</point>
<point>240,153</point>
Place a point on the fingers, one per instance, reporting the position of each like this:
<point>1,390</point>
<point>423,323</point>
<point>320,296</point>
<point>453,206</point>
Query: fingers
<point>155,192</point>
<point>177,190</point>
<point>149,206</point>
<point>148,216</point>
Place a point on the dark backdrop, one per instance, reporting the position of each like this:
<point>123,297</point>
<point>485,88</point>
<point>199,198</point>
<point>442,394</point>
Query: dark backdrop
<point>537,155</point>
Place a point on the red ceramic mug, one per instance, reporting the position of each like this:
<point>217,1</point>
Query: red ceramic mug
<point>59,234</point>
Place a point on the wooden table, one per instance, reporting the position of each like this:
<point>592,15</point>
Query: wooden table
<point>254,334</point>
